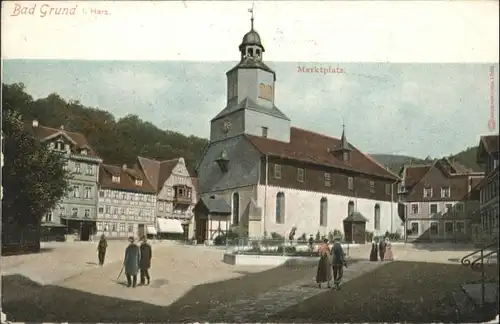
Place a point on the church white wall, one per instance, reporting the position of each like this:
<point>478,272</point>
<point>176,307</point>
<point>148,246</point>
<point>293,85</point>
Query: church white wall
<point>302,209</point>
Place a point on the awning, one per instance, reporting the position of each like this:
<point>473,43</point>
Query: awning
<point>151,230</point>
<point>166,225</point>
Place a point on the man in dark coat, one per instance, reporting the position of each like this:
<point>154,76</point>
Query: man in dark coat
<point>338,262</point>
<point>131,262</point>
<point>381,248</point>
<point>145,262</point>
<point>101,249</point>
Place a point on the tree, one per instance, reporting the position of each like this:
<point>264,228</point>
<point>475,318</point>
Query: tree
<point>33,177</point>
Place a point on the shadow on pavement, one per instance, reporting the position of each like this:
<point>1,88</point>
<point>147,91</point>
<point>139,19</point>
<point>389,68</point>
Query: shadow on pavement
<point>27,301</point>
<point>415,292</point>
<point>443,247</point>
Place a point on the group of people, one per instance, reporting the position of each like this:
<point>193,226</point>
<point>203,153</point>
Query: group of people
<point>331,263</point>
<point>137,259</point>
<point>381,249</point>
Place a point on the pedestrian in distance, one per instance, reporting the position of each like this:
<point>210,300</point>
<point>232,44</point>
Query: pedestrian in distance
<point>101,249</point>
<point>338,262</point>
<point>145,261</point>
<point>131,262</point>
<point>324,272</point>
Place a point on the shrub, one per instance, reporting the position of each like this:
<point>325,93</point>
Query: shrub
<point>220,240</point>
<point>339,234</point>
<point>318,237</point>
<point>287,249</point>
<point>303,238</point>
<point>277,236</point>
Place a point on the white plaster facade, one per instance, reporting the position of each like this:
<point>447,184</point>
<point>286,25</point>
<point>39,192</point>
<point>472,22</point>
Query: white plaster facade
<point>302,209</point>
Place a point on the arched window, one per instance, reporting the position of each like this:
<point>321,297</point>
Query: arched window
<point>377,217</point>
<point>350,208</point>
<point>280,208</point>
<point>323,212</point>
<point>236,208</point>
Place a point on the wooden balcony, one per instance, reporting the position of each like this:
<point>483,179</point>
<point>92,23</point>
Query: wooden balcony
<point>182,200</point>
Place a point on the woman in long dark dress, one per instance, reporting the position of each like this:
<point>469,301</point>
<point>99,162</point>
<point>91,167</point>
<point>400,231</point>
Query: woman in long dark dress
<point>324,273</point>
<point>374,252</point>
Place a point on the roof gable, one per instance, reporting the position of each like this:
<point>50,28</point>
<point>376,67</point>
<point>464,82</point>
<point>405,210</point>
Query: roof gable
<point>314,148</point>
<point>128,177</point>
<point>157,172</point>
<point>488,144</point>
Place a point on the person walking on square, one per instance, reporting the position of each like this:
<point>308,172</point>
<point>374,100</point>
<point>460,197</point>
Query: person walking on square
<point>374,251</point>
<point>389,255</point>
<point>145,262</point>
<point>381,248</point>
<point>101,249</point>
<point>338,262</point>
<point>324,273</point>
<point>131,262</point>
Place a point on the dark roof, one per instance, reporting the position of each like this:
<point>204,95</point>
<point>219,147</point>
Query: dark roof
<point>80,141</point>
<point>215,205</point>
<point>491,175</point>
<point>413,174</point>
<point>250,105</point>
<point>250,62</point>
<point>356,217</point>
<point>127,179</point>
<point>314,148</point>
<point>157,172</point>
<point>491,143</point>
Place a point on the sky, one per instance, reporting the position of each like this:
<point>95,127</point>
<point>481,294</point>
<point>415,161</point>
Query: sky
<point>411,109</point>
<point>166,61</point>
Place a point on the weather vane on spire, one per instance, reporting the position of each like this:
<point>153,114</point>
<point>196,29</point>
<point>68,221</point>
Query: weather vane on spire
<point>250,10</point>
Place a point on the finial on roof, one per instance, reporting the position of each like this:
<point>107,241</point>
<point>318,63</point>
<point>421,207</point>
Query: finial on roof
<point>344,145</point>
<point>250,10</point>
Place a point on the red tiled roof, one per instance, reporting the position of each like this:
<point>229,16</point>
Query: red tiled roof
<point>157,172</point>
<point>415,173</point>
<point>43,132</point>
<point>127,179</point>
<point>310,147</point>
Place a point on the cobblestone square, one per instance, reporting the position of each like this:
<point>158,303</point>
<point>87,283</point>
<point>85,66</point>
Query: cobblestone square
<point>192,284</point>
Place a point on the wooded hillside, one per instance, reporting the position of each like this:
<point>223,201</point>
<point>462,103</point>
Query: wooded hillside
<point>117,141</point>
<point>121,141</point>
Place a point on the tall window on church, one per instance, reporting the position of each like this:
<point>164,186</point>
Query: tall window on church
<point>280,208</point>
<point>250,52</point>
<point>377,217</point>
<point>264,132</point>
<point>350,208</point>
<point>323,212</point>
<point>236,208</point>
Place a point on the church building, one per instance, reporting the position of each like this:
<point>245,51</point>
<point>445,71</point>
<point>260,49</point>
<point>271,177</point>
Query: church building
<point>267,176</point>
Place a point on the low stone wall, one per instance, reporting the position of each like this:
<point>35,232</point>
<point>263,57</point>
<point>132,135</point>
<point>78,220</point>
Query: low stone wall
<point>267,260</point>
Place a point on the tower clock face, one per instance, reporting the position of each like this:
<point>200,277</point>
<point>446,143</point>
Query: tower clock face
<point>226,126</point>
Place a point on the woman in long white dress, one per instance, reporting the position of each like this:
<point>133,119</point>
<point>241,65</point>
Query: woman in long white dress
<point>389,255</point>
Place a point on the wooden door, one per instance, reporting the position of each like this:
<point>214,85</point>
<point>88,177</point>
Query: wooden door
<point>358,234</point>
<point>201,230</point>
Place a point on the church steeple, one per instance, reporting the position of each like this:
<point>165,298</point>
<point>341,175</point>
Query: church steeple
<point>251,46</point>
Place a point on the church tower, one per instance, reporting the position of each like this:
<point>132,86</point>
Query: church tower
<point>250,107</point>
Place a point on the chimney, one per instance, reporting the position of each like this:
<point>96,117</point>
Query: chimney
<point>35,123</point>
<point>124,167</point>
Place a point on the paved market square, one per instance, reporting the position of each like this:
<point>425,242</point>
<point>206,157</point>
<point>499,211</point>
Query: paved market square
<point>191,283</point>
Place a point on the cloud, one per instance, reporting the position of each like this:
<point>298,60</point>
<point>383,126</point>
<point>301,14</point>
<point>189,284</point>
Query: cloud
<point>414,109</point>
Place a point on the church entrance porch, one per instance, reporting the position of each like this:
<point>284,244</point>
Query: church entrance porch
<point>355,228</point>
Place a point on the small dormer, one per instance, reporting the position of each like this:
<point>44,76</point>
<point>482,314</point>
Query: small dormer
<point>138,182</point>
<point>343,151</point>
<point>83,151</point>
<point>223,161</point>
<point>115,178</point>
